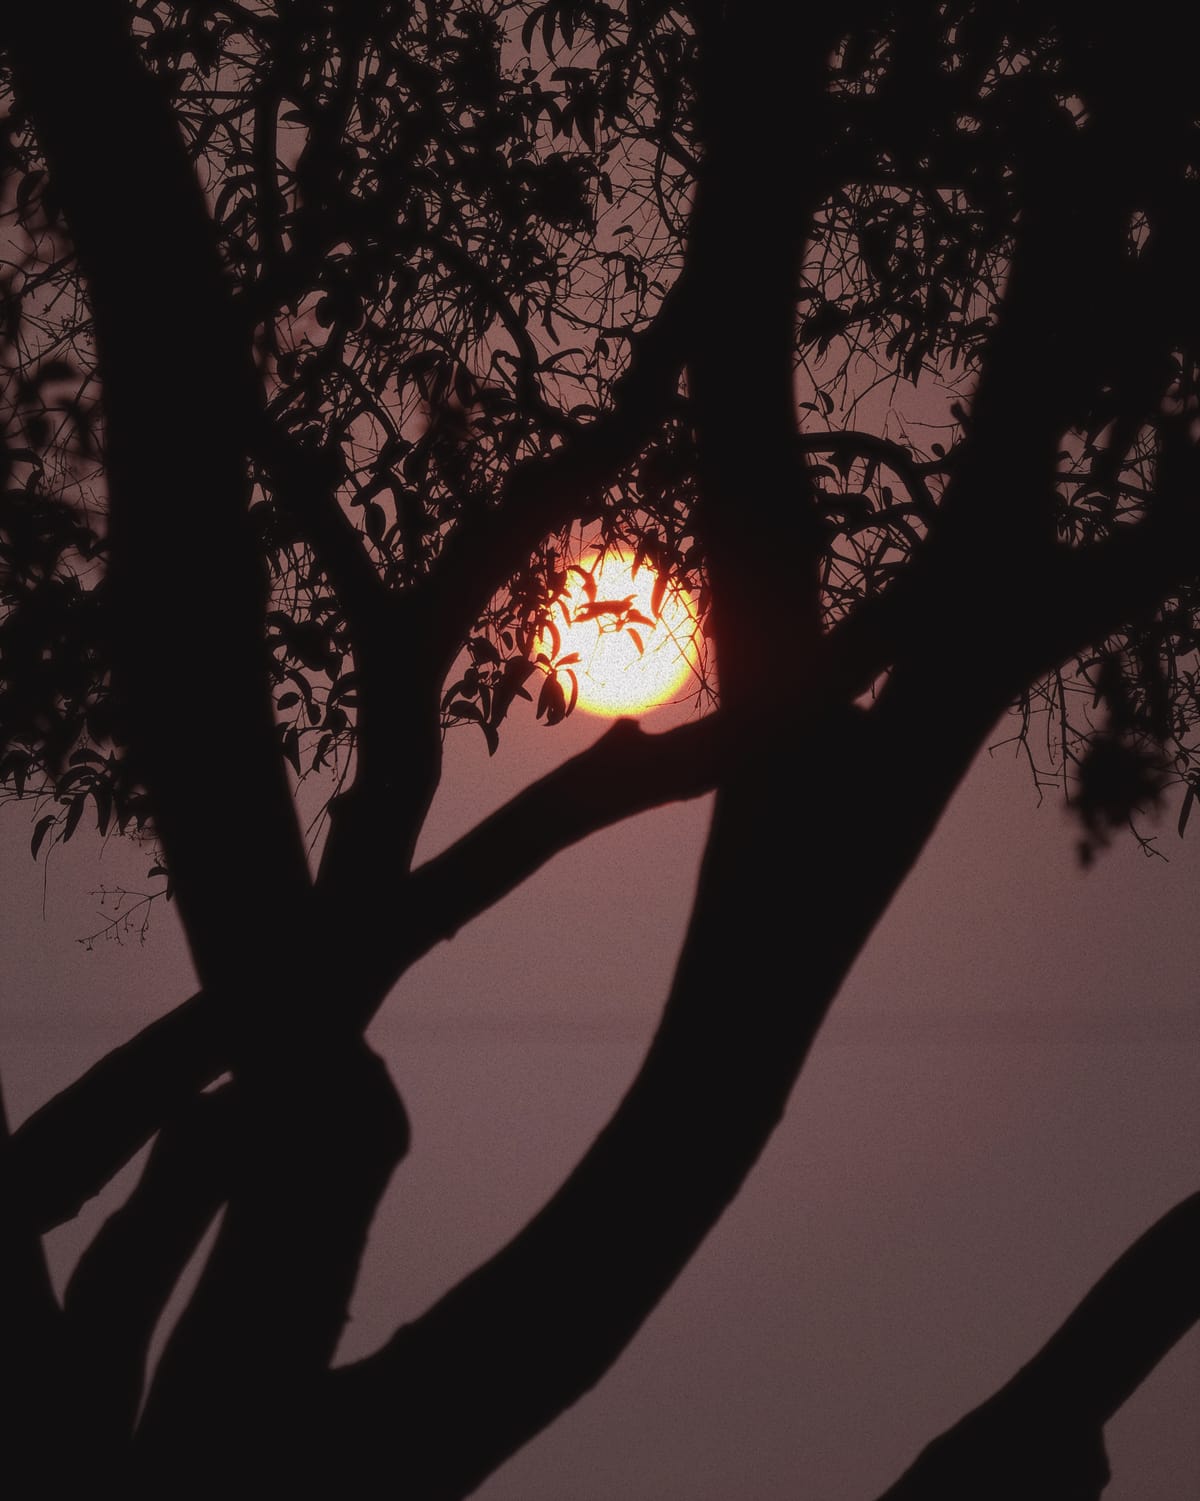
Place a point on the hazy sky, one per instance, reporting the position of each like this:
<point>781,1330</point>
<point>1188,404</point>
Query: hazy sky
<point>1005,1096</point>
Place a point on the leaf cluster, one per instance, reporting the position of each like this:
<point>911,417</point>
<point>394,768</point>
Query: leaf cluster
<point>445,227</point>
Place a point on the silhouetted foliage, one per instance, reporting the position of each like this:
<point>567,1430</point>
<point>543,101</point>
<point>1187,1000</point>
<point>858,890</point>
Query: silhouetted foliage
<point>331,333</point>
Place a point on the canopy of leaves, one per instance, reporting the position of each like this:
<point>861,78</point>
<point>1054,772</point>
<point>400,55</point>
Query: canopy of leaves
<point>446,227</point>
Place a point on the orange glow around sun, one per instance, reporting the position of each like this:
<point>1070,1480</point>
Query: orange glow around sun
<point>630,640</point>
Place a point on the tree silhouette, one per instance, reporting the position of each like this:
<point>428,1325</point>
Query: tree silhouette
<point>330,329</point>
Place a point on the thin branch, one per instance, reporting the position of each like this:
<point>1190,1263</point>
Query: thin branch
<point>305,485</point>
<point>542,494</point>
<point>895,456</point>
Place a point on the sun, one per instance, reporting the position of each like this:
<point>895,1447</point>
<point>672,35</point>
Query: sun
<point>624,639</point>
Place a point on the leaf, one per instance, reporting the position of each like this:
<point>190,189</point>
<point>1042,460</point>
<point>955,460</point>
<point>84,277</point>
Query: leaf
<point>635,617</point>
<point>656,595</point>
<point>343,689</point>
<point>605,607</point>
<point>552,701</point>
<point>74,813</point>
<point>103,797</point>
<point>27,187</point>
<point>466,710</point>
<point>1189,798</point>
<point>637,641</point>
<point>41,829</point>
<point>482,650</point>
<point>376,520</point>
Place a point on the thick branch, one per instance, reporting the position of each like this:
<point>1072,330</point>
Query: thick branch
<point>175,457</point>
<point>1040,1435</point>
<point>1095,591</point>
<point>67,1151</point>
<point>37,1402</point>
<point>1044,359</point>
<point>566,1296</point>
<point>1069,599</point>
<point>125,1277</point>
<point>315,1149</point>
<point>73,1145</point>
<point>623,773</point>
<point>752,480</point>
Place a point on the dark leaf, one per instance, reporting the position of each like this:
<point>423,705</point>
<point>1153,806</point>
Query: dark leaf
<point>376,520</point>
<point>552,701</point>
<point>466,710</point>
<point>1185,812</point>
<point>74,814</point>
<point>41,829</point>
<point>103,796</point>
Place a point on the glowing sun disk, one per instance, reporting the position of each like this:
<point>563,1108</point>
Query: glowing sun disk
<point>630,640</point>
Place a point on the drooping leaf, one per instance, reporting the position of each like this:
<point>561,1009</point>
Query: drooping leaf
<point>40,830</point>
<point>1189,797</point>
<point>74,814</point>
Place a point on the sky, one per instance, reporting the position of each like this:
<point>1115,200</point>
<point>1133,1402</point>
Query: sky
<point>1004,1096</point>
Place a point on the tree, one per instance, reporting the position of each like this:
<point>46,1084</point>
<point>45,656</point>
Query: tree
<point>329,325</point>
